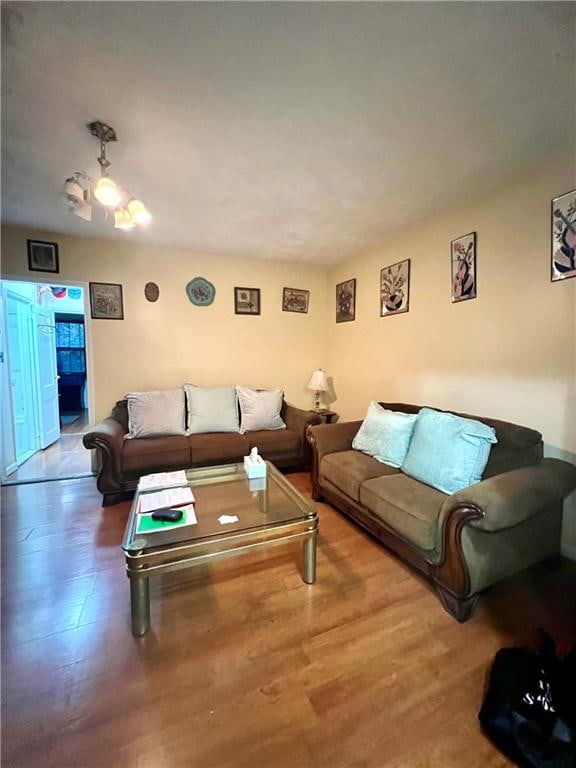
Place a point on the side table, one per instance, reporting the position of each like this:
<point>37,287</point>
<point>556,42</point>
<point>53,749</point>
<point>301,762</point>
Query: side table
<point>328,417</point>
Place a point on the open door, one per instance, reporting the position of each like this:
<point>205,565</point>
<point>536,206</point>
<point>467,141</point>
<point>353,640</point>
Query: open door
<point>47,376</point>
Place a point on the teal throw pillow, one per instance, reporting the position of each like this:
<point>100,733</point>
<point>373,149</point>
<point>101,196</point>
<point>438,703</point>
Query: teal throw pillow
<point>385,435</point>
<point>448,452</point>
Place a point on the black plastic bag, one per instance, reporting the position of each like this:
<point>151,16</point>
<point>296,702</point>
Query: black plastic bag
<point>529,711</point>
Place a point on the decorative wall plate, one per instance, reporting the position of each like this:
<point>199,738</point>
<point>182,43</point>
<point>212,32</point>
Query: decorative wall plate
<point>201,292</point>
<point>151,291</point>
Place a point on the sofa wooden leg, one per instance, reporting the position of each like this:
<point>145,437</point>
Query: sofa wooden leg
<point>460,608</point>
<point>316,495</point>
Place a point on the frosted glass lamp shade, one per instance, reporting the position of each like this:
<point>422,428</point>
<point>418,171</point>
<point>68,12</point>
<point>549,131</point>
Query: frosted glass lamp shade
<point>138,212</point>
<point>318,381</point>
<point>122,219</point>
<point>107,193</point>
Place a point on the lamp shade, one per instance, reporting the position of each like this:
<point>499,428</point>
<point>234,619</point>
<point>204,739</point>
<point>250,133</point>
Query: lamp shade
<point>318,381</point>
<point>107,192</point>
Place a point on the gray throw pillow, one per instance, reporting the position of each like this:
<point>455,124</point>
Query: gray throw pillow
<point>211,409</point>
<point>159,412</point>
<point>260,409</point>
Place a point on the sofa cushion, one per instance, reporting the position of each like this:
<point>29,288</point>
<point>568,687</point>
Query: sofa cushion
<point>405,505</point>
<point>260,409</point>
<point>385,435</point>
<point>447,451</point>
<point>218,448</point>
<point>158,412</point>
<point>347,470</point>
<point>151,453</point>
<point>276,445</point>
<point>211,409</point>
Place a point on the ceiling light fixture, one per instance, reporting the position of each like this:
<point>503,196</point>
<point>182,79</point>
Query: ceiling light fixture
<point>80,190</point>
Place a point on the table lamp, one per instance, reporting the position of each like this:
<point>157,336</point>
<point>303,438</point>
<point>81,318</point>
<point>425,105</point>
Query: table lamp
<point>319,383</point>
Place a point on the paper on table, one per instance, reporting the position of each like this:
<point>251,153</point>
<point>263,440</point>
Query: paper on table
<point>170,497</point>
<point>146,525</point>
<point>224,519</point>
<point>162,480</point>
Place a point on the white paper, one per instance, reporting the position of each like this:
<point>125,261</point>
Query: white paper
<point>170,497</point>
<point>162,480</point>
<point>225,519</point>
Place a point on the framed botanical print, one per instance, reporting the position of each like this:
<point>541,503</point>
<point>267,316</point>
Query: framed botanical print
<point>346,301</point>
<point>563,237</point>
<point>247,301</point>
<point>295,300</point>
<point>106,302</point>
<point>395,289</point>
<point>463,265</point>
<point>43,256</point>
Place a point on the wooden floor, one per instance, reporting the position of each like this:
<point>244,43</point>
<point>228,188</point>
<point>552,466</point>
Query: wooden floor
<point>246,665</point>
<point>67,457</point>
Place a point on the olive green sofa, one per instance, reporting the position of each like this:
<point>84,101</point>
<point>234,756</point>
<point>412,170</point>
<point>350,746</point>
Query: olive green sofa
<point>463,542</point>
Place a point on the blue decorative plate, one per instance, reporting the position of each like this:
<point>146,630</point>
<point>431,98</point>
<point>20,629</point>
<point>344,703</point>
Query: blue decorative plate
<point>200,291</point>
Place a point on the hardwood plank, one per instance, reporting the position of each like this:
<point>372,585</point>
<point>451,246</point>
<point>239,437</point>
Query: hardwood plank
<point>246,665</point>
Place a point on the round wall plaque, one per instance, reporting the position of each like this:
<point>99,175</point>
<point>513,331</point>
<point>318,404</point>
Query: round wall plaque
<point>200,291</point>
<point>151,291</point>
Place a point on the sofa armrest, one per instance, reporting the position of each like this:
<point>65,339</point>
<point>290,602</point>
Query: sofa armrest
<point>507,499</point>
<point>298,420</point>
<point>108,438</point>
<point>330,438</point>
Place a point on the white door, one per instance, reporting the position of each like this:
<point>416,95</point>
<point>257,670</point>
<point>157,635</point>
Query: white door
<point>21,360</point>
<point>47,377</point>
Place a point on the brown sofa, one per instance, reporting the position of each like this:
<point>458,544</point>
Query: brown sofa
<point>122,462</point>
<point>463,542</point>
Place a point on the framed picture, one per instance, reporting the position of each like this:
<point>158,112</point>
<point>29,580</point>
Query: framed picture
<point>106,301</point>
<point>563,236</point>
<point>346,301</point>
<point>42,256</point>
<point>295,300</point>
<point>463,261</point>
<point>395,288</point>
<point>247,301</point>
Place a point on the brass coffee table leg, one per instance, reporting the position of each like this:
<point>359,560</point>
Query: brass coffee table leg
<point>309,558</point>
<point>140,604</point>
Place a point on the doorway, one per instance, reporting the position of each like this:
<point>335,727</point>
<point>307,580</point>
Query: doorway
<point>45,392</point>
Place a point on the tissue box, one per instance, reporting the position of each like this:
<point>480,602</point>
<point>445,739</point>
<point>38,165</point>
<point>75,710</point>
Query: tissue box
<point>254,468</point>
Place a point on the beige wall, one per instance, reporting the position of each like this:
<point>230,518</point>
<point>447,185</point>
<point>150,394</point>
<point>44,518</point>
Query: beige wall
<point>170,342</point>
<point>510,353</point>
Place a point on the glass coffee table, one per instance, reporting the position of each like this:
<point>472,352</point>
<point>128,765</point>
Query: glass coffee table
<point>270,511</point>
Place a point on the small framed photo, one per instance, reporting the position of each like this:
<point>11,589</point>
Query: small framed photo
<point>43,256</point>
<point>463,260</point>
<point>563,237</point>
<point>395,289</point>
<point>295,300</point>
<point>346,301</point>
<point>106,301</point>
<point>247,301</point>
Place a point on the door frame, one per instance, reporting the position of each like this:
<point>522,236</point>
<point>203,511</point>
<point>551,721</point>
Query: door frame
<point>88,330</point>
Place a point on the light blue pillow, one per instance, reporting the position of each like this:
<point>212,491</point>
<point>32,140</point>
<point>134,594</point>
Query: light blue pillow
<point>448,452</point>
<point>385,435</point>
<point>211,409</point>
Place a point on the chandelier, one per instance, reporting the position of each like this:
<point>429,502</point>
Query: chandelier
<point>81,190</point>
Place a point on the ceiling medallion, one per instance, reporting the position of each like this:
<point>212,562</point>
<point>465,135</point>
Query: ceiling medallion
<point>201,292</point>
<point>81,190</point>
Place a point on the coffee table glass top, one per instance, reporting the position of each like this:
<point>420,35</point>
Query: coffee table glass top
<point>225,490</point>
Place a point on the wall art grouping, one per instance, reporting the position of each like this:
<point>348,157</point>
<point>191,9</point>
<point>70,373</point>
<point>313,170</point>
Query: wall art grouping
<point>395,288</point>
<point>463,255</point>
<point>563,236</point>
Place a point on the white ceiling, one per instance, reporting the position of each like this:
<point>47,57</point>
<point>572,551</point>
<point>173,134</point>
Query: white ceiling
<point>281,130</point>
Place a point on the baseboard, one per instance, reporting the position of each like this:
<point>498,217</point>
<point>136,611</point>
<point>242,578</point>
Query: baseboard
<point>569,550</point>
